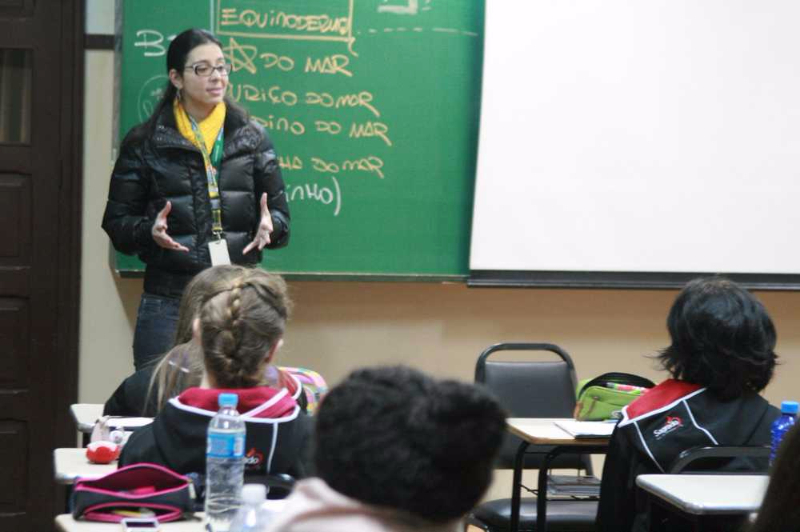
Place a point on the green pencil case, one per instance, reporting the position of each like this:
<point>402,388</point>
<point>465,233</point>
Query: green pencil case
<point>603,397</point>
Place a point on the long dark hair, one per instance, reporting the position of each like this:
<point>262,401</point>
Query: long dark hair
<point>177,53</point>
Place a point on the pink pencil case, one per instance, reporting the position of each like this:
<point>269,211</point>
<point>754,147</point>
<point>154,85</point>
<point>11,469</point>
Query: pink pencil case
<point>141,489</point>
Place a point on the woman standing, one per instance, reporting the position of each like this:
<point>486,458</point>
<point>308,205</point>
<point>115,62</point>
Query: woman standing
<point>197,184</point>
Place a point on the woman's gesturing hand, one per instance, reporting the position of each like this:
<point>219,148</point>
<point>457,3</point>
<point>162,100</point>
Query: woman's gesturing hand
<point>264,228</point>
<point>159,231</point>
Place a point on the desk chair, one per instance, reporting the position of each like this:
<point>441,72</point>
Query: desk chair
<point>543,389</point>
<point>722,459</point>
<point>279,485</point>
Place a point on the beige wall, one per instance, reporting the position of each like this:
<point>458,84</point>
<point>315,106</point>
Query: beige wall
<point>338,326</point>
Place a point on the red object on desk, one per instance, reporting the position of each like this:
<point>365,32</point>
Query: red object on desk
<point>102,452</point>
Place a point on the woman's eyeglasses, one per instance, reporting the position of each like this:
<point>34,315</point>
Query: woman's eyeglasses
<point>204,70</point>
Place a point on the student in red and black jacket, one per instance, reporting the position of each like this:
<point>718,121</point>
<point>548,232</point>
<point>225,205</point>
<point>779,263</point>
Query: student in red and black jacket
<point>240,329</point>
<point>721,357</point>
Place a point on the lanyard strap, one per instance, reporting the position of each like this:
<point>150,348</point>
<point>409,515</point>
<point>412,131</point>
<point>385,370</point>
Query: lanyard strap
<point>211,162</point>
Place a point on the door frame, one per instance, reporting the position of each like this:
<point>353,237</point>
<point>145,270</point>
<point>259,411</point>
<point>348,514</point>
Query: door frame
<point>68,254</point>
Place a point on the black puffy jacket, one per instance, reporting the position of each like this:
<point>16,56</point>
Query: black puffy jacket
<point>154,168</point>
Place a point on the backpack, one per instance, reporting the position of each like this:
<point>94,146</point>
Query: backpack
<point>603,397</point>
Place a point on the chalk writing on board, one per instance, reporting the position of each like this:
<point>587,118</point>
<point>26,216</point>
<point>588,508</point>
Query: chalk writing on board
<point>245,56</point>
<point>242,56</point>
<point>290,162</point>
<point>336,24</point>
<point>153,42</point>
<point>332,64</point>
<point>316,192</point>
<point>285,90</point>
<point>404,7</point>
<point>149,95</point>
<point>370,164</point>
<point>355,130</point>
<point>370,129</point>
<point>325,99</point>
<point>332,127</point>
<point>281,123</point>
<point>293,104</point>
<point>275,94</point>
<point>274,60</point>
<point>321,24</point>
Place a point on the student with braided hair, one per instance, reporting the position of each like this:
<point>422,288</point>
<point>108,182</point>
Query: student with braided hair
<point>239,329</point>
<point>146,392</point>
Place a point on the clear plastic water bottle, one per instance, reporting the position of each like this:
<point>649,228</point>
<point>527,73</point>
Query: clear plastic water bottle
<point>781,425</point>
<point>224,464</point>
<point>253,515</point>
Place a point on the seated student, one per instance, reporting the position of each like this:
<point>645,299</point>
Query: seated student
<point>147,391</point>
<point>239,329</point>
<point>396,451</point>
<point>780,511</point>
<point>720,358</point>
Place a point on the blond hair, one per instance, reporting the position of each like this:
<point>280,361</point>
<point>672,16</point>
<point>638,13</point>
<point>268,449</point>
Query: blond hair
<point>240,325</point>
<point>182,366</point>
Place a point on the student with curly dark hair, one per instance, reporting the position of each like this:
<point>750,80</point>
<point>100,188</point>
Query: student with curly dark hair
<point>397,451</point>
<point>720,358</point>
<point>780,511</point>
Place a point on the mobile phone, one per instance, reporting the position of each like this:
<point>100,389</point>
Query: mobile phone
<point>140,524</point>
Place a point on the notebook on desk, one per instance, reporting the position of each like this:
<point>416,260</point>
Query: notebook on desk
<point>587,429</point>
<point>128,422</point>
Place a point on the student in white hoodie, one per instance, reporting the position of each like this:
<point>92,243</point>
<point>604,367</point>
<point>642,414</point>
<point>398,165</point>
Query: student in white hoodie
<point>397,451</point>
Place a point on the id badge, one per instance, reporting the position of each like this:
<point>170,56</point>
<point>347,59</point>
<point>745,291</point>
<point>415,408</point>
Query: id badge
<point>219,252</point>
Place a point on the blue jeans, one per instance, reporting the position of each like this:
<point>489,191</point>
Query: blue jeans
<point>155,328</point>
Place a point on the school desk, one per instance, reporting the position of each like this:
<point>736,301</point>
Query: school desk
<point>544,432</point>
<point>701,499</point>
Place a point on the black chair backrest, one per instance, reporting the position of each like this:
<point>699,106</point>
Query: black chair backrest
<point>722,459</point>
<point>531,389</point>
<point>279,485</point>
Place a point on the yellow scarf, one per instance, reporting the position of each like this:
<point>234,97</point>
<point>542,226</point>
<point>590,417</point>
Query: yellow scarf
<point>209,127</point>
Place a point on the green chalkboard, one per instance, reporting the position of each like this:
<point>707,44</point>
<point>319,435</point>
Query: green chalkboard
<point>373,108</point>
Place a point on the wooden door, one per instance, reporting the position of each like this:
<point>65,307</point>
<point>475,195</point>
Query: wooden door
<point>40,81</point>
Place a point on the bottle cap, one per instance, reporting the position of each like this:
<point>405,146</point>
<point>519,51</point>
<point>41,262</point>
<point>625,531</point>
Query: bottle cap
<point>254,493</point>
<point>789,407</point>
<point>228,399</point>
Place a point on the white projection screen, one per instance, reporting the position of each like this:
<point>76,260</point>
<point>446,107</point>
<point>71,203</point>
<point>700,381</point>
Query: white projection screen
<point>638,143</point>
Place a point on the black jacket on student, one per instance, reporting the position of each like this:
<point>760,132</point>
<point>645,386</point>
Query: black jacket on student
<point>129,399</point>
<point>278,433</point>
<point>667,420</point>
